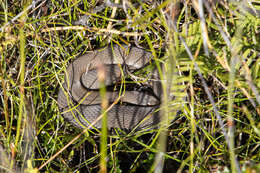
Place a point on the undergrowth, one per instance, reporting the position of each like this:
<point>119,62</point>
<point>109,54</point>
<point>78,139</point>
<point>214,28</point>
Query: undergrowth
<point>209,52</point>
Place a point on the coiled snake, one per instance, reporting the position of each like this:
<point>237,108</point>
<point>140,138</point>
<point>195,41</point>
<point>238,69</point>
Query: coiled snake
<point>79,98</point>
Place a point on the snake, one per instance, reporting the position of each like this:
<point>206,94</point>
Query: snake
<point>134,105</point>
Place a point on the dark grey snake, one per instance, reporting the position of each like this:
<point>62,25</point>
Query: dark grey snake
<point>79,98</point>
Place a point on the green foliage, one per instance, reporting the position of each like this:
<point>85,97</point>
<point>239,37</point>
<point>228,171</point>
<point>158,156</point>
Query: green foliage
<point>37,46</point>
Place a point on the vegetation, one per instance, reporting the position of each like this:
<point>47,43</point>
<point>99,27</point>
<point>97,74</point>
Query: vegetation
<point>210,53</point>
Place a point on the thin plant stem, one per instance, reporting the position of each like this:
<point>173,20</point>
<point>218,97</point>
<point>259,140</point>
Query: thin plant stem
<point>21,72</point>
<point>104,105</point>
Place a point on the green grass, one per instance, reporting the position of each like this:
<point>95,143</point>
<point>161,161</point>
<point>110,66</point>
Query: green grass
<point>212,122</point>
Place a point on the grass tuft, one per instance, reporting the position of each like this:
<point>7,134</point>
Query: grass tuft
<point>207,55</point>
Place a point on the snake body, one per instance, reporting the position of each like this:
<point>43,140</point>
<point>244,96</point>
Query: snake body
<point>79,98</point>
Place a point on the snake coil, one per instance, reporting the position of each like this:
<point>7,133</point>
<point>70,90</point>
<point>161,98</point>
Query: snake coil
<point>79,99</point>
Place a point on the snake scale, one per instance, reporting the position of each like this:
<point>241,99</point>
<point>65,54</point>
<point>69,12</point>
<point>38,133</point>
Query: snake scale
<point>79,97</point>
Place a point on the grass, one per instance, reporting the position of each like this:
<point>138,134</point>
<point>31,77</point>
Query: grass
<point>210,77</point>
